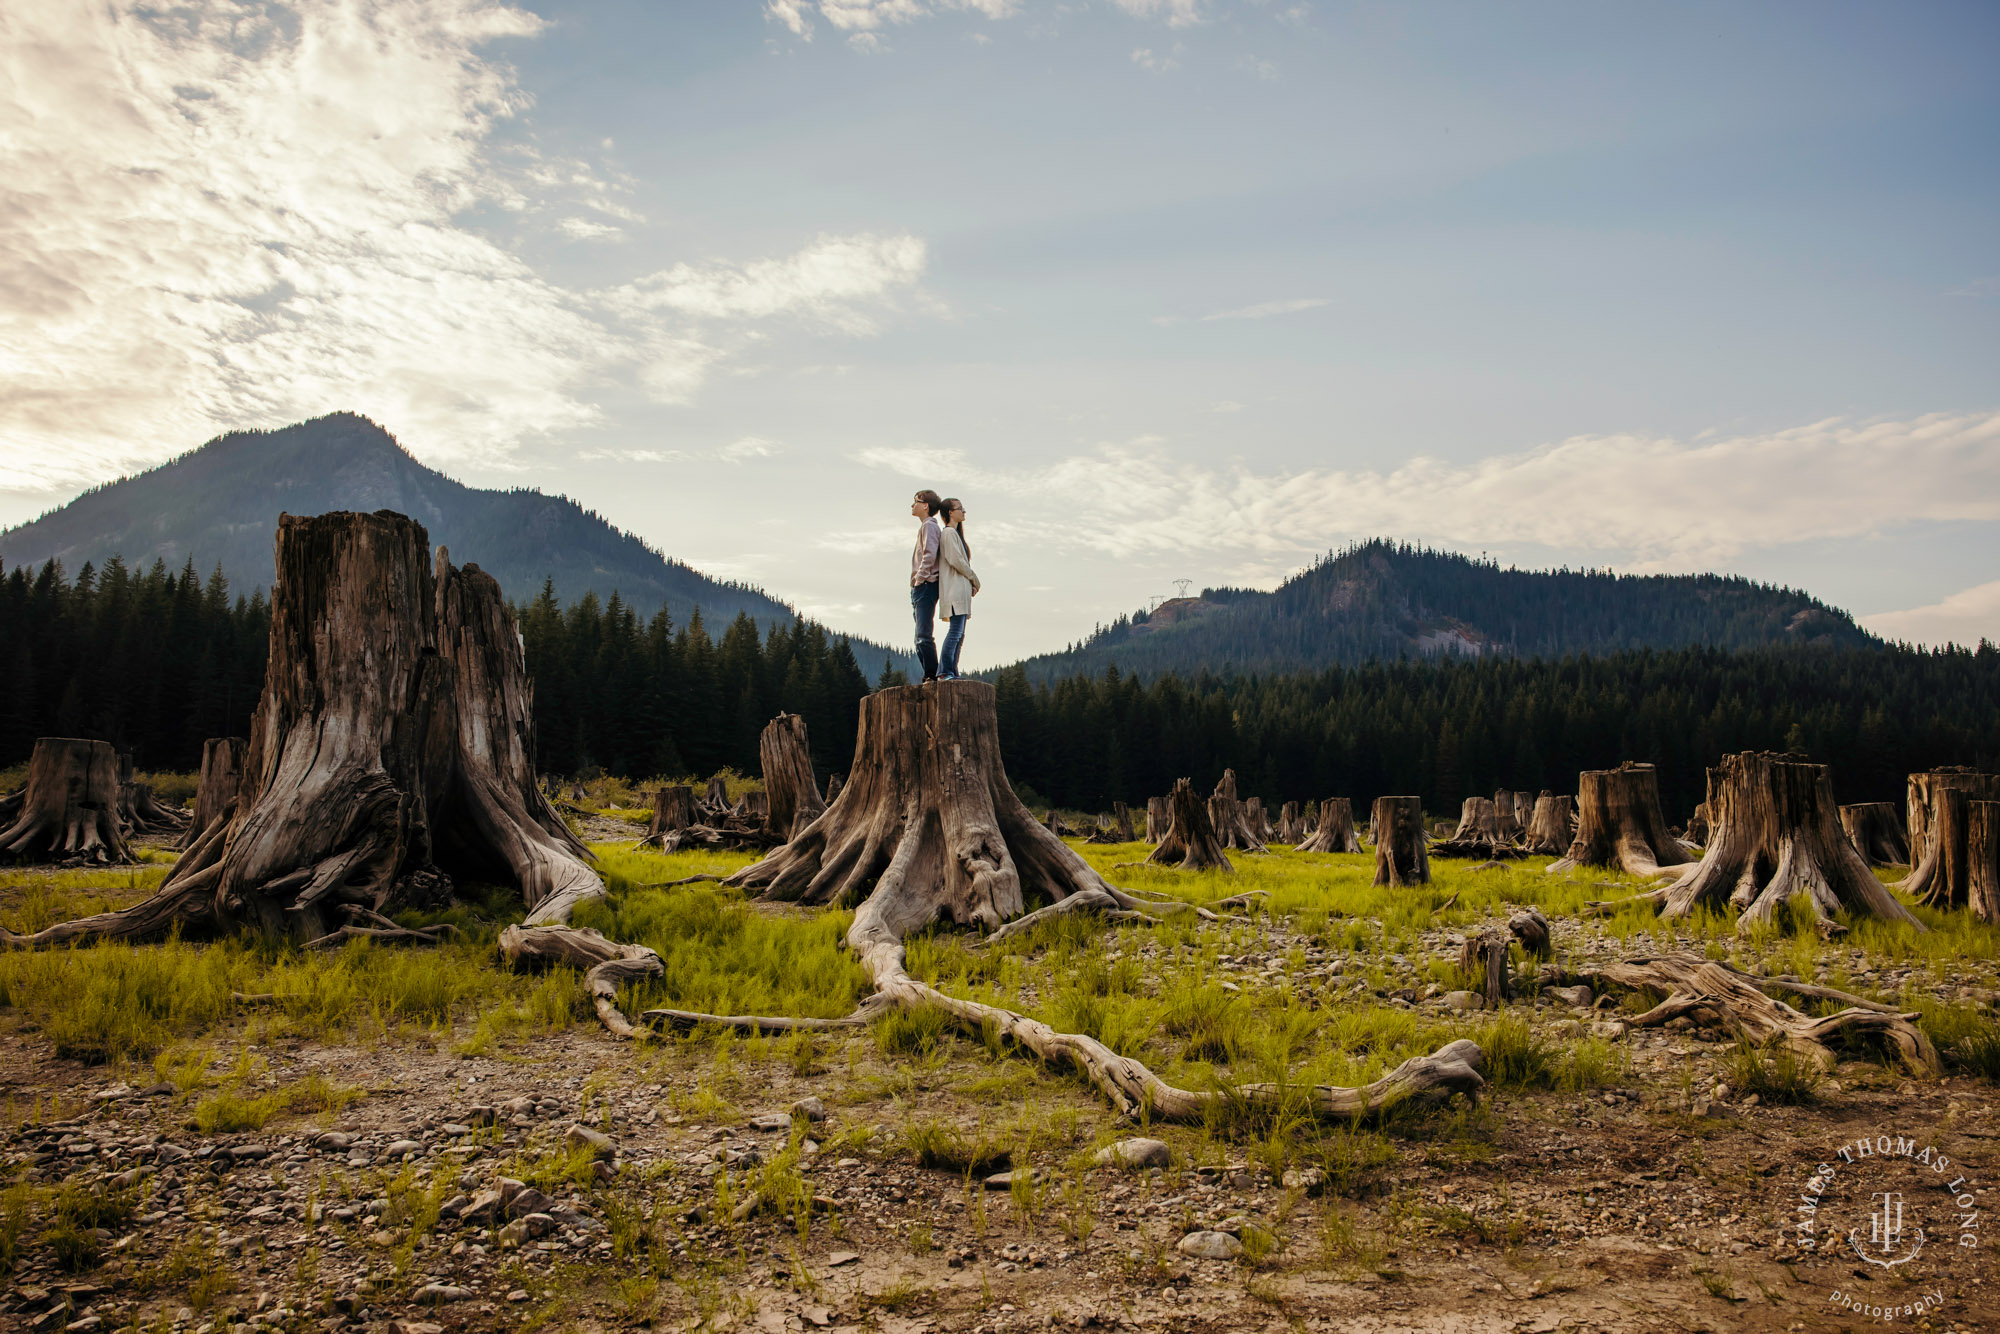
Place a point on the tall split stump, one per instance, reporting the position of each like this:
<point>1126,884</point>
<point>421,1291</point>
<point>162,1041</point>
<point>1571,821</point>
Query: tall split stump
<point>220,786</point>
<point>1401,856</point>
<point>1190,842</point>
<point>1939,823</point>
<point>791,792</point>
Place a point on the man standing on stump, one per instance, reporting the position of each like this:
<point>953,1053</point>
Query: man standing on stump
<point>924,578</point>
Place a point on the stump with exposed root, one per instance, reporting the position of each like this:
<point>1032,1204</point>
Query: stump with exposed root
<point>1778,841</point>
<point>1876,832</point>
<point>1552,826</point>
<point>1938,801</point>
<point>1401,854</point>
<point>1230,817</point>
<point>1336,832</point>
<point>1482,831</point>
<point>1190,842</point>
<point>673,811</point>
<point>69,809</point>
<point>139,811</point>
<point>1618,823</point>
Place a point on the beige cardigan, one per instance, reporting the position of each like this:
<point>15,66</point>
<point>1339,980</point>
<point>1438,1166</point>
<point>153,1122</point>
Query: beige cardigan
<point>956,581</point>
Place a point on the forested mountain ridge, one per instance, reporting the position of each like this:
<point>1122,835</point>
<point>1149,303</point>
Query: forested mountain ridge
<point>218,506</point>
<point>1380,600</point>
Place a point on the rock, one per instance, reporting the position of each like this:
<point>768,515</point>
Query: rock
<point>1135,1153</point>
<point>1577,998</point>
<point>434,1293</point>
<point>483,1207</point>
<point>601,1145</point>
<point>403,1146</point>
<point>335,1139</point>
<point>1308,1179</point>
<point>412,1327</point>
<point>454,1206</point>
<point>1005,1180</point>
<point>1612,1029</point>
<point>812,1109</point>
<point>528,1200</point>
<point>518,1295</point>
<point>1463,1000</point>
<point>508,1188</point>
<point>1210,1246</point>
<point>839,1258</point>
<point>771,1121</point>
<point>480,1116</point>
<point>250,1153</point>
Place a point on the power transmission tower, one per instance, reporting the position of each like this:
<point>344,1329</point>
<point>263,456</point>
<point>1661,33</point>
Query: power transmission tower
<point>1183,585</point>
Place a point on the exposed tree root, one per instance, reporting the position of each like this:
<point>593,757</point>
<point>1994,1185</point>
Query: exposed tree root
<point>1706,990</point>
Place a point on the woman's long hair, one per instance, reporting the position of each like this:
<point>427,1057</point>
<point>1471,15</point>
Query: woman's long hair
<point>951,503</point>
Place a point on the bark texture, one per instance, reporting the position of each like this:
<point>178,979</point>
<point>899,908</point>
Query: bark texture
<point>1938,826</point>
<point>1231,818</point>
<point>1777,836</point>
<point>220,788</point>
<point>673,810</point>
<point>1121,822</point>
<point>1982,860</point>
<point>791,793</point>
<point>393,744</point>
<point>1336,831</point>
<point>1190,841</point>
<point>1482,830</point>
<point>1922,800</point>
<point>1876,832</point>
<point>1552,825</point>
<point>69,809</point>
<point>1291,825</point>
<point>1159,819</point>
<point>1401,857</point>
<point>1618,823</point>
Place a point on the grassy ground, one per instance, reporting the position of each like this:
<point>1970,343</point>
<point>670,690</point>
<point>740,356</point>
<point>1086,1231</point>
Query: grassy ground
<point>1326,980</point>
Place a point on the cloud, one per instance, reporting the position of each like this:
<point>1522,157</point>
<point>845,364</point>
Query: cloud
<point>1966,617</point>
<point>247,212</point>
<point>1636,502</point>
<point>1145,59</point>
<point>1176,13</point>
<point>736,451</point>
<point>1263,310</point>
<point>792,13</point>
<point>1263,69</point>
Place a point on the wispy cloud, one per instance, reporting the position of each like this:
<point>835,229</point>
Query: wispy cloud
<point>1175,13</point>
<point>1639,503</point>
<point>1966,617</point>
<point>1264,310</point>
<point>736,451</point>
<point>1158,63</point>
<point>241,214</point>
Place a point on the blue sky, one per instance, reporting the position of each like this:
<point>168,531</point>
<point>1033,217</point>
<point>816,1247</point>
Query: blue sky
<point>1163,288</point>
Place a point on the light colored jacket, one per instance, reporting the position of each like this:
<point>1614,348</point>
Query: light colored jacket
<point>956,581</point>
<point>924,558</point>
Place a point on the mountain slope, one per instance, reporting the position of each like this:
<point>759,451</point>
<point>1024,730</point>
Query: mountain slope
<point>1380,600</point>
<point>219,504</point>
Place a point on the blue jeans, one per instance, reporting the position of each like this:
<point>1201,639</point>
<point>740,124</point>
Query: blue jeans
<point>923,608</point>
<point>954,639</point>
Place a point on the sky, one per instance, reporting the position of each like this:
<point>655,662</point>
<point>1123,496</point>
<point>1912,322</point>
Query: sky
<point>1163,289</point>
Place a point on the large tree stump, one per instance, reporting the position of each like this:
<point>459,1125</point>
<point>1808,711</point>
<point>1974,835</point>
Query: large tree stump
<point>1259,821</point>
<point>1401,857</point>
<point>1982,860</point>
<point>220,787</point>
<point>1505,819</point>
<point>1481,832</point>
<point>1923,797</point>
<point>1159,819</point>
<point>1552,825</point>
<point>1938,818</point>
<point>1190,842</point>
<point>928,829</point>
<point>673,810</point>
<point>1876,832</point>
<point>1291,827</point>
<point>1336,828</point>
<point>393,746</point>
<point>1700,827</point>
<point>789,786</point>
<point>139,811</point>
<point>1618,823</point>
<point>1230,817</point>
<point>1778,837</point>
<point>69,809</point>
<point>1121,822</point>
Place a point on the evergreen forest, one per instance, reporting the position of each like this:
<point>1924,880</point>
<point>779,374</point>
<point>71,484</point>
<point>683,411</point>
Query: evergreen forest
<point>156,662</point>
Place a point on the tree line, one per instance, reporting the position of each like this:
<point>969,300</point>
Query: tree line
<point>158,662</point>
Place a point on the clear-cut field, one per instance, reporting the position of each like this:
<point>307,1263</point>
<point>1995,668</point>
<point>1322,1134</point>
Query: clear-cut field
<point>208,1133</point>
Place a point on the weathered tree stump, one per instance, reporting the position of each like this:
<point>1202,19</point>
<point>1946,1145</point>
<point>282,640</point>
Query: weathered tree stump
<point>1159,819</point>
<point>1190,842</point>
<point>1401,857</point>
<point>929,829</point>
<point>1982,860</point>
<point>833,782</point>
<point>1481,831</point>
<point>1700,828</point>
<point>393,744</point>
<point>791,793</point>
<point>673,811</point>
<point>139,812</point>
<point>1121,822</point>
<point>220,788</point>
<point>69,809</point>
<point>1230,816</point>
<point>1876,832</point>
<point>1336,831</point>
<point>1618,823</point>
<point>1552,825</point>
<point>1922,800</point>
<point>1291,828</point>
<point>1506,821</point>
<point>1777,837</point>
<point>1258,821</point>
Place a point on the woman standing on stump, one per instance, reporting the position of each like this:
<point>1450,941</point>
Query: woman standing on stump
<point>956,585</point>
